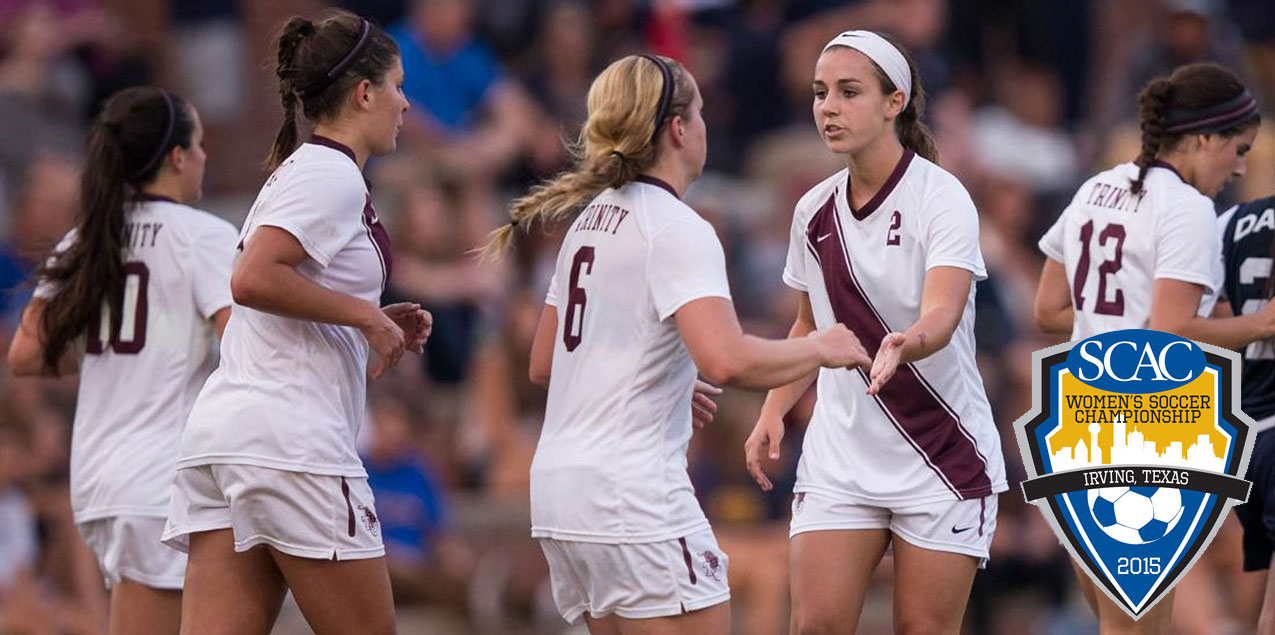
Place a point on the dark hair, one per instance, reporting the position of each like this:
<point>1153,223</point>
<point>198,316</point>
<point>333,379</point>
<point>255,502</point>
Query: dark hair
<point>319,63</point>
<point>913,133</point>
<point>126,148</point>
<point>1182,104</point>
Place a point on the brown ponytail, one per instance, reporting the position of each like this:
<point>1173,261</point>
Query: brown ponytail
<point>1197,99</point>
<point>616,144</point>
<point>305,52</point>
<point>912,131</point>
<point>127,144</point>
<point>1153,103</point>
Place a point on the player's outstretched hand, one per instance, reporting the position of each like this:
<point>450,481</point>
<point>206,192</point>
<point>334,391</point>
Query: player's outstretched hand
<point>386,340</point>
<point>763,443</point>
<point>702,405</point>
<point>887,361</point>
<point>840,348</point>
<point>417,323</point>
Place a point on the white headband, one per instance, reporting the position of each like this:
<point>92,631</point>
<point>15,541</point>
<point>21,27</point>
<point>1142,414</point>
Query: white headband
<point>883,54</point>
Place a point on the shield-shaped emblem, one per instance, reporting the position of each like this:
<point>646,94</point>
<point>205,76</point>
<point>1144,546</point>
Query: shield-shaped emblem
<point>1135,448</point>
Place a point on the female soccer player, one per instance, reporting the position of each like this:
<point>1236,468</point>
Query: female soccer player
<point>145,280</point>
<point>1136,247</point>
<point>268,457</point>
<point>639,301</point>
<point>905,455</point>
<point>1248,242</point>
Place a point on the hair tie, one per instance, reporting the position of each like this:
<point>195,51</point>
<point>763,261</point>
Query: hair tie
<point>513,223</point>
<point>666,93</point>
<point>164,142</point>
<point>317,86</point>
<point>618,154</point>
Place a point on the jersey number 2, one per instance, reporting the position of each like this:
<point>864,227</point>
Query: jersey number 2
<point>126,335</point>
<point>1102,306</point>
<point>573,325</point>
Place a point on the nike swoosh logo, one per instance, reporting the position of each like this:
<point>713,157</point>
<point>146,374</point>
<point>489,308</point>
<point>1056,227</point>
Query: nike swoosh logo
<point>821,238</point>
<point>957,531</point>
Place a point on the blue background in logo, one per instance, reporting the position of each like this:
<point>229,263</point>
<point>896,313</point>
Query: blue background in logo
<point>1109,551</point>
<point>1180,361</point>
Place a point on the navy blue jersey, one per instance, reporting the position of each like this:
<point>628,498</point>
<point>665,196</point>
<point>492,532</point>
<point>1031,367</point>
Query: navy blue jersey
<point>1246,251</point>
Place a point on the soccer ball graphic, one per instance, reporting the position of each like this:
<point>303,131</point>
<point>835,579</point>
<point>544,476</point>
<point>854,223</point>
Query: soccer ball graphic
<point>1136,515</point>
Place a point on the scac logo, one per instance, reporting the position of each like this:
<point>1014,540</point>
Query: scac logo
<point>1134,449</point>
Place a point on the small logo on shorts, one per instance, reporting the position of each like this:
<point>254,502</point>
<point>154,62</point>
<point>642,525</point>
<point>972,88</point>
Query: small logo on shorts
<point>712,567</point>
<point>370,522</point>
<point>961,530</point>
<point>798,501</point>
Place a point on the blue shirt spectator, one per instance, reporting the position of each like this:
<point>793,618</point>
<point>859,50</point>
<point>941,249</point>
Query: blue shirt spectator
<point>449,80</point>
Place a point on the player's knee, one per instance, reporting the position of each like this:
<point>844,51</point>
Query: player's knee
<point>924,625</point>
<point>811,621</point>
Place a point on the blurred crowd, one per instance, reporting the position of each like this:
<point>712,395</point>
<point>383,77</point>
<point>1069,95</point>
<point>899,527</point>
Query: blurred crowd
<point>1026,99</point>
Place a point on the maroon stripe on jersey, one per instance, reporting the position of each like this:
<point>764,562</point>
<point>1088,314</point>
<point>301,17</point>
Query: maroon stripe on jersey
<point>917,411</point>
<point>890,183</point>
<point>686,554</point>
<point>380,240</point>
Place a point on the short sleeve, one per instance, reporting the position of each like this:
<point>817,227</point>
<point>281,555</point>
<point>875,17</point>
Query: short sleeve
<point>1179,254</point>
<point>320,206</point>
<point>685,263</point>
<point>795,265</point>
<point>949,230</point>
<point>212,257</point>
<point>1052,243</point>
<point>554,293</point>
<point>46,289</point>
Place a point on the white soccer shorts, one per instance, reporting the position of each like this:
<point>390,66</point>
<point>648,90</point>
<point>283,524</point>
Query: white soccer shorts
<point>637,581</point>
<point>300,514</point>
<point>958,526</point>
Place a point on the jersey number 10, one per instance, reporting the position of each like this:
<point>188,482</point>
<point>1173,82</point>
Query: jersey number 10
<point>1103,306</point>
<point>126,335</point>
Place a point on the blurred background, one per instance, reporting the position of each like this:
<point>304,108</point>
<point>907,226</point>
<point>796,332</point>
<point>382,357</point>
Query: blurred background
<point>1026,99</point>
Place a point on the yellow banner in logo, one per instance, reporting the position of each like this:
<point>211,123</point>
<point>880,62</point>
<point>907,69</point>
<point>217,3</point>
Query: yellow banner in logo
<point>1099,427</point>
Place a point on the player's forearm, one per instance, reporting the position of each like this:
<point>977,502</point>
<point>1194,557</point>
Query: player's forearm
<point>930,334</point>
<point>761,363</point>
<point>1233,332</point>
<point>781,399</point>
<point>281,290</point>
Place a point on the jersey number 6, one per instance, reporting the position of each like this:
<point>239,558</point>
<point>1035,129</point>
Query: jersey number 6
<point>126,332</point>
<point>1102,306</point>
<point>573,325</point>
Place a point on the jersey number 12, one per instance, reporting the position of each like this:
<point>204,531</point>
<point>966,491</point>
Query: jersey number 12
<point>126,335</point>
<point>1103,306</point>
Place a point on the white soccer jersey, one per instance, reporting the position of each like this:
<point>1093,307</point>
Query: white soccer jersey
<point>291,394</point>
<point>139,374</point>
<point>611,463</point>
<point>928,435</point>
<point>1114,246</point>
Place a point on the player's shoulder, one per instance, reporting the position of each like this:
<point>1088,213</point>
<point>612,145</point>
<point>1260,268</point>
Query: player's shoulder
<point>817,196</point>
<point>189,220</point>
<point>928,181</point>
<point>321,168</point>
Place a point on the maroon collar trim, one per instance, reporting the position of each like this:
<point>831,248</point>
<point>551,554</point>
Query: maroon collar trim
<point>871,206</point>
<point>144,197</point>
<point>650,180</point>
<point>320,140</point>
<point>1164,164</point>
